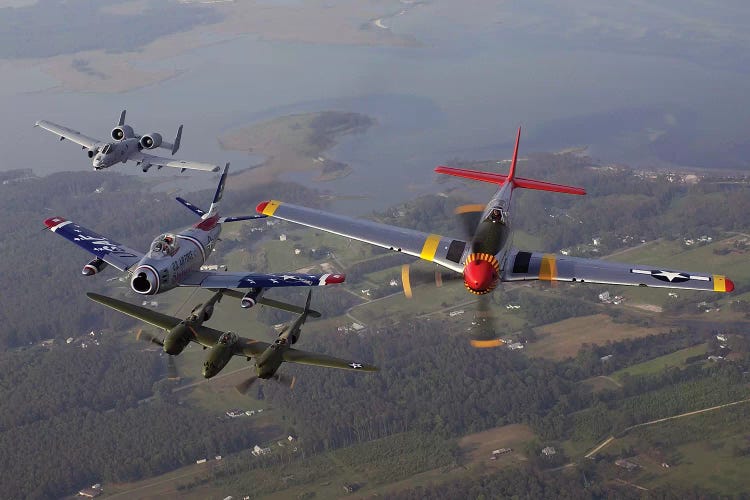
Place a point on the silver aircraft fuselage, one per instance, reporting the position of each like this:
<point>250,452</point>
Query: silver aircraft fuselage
<point>173,256</point>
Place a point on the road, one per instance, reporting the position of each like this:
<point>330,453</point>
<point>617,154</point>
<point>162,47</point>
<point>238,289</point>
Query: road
<point>607,441</point>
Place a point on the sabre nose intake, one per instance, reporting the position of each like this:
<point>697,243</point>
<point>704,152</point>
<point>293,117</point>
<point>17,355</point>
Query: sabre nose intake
<point>145,280</point>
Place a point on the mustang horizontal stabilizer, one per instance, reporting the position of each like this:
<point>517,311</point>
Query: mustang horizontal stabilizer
<point>431,247</point>
<point>310,358</point>
<point>144,314</point>
<point>550,267</point>
<point>209,279</point>
<point>111,252</point>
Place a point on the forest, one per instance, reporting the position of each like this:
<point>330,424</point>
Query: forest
<point>104,414</point>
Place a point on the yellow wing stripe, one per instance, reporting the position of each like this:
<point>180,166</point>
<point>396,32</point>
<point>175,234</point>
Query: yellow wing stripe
<point>271,207</point>
<point>430,247</point>
<point>548,267</point>
<point>720,283</point>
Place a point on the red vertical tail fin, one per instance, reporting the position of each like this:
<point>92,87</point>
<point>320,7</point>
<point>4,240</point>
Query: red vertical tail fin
<point>512,171</point>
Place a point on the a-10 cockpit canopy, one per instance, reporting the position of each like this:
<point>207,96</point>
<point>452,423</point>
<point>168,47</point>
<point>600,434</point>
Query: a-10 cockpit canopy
<point>165,244</point>
<point>106,149</point>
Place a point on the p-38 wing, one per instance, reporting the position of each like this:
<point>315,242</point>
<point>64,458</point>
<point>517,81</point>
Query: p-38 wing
<point>447,252</point>
<point>68,133</point>
<point>519,266</point>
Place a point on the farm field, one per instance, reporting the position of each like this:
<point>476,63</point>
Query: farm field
<point>563,339</point>
<point>656,365</point>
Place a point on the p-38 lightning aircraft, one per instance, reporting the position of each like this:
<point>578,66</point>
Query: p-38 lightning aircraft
<point>224,345</point>
<point>175,259</point>
<point>126,145</point>
<point>487,256</point>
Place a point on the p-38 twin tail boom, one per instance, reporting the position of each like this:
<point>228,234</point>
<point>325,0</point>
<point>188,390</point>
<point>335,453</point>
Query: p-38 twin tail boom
<point>175,259</point>
<point>127,145</point>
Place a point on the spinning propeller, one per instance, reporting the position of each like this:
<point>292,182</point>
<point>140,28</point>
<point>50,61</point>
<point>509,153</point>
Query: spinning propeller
<point>171,365</point>
<point>481,275</point>
<point>280,378</point>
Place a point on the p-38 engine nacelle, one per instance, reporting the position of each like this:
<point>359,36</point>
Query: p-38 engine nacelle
<point>122,132</point>
<point>151,141</point>
<point>251,297</point>
<point>93,267</point>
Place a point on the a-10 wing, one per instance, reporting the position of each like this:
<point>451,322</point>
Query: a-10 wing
<point>447,252</point>
<point>68,133</point>
<point>522,266</point>
<point>159,161</point>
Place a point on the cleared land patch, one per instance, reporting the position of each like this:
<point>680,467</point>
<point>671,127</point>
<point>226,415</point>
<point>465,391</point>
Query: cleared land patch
<point>563,339</point>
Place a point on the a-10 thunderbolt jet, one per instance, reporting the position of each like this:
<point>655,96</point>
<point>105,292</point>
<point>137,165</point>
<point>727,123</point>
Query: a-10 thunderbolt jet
<point>127,145</point>
<point>486,256</point>
<point>175,259</point>
<point>224,345</point>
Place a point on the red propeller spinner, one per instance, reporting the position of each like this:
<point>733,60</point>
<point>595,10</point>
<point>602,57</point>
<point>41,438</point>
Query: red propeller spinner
<point>481,273</point>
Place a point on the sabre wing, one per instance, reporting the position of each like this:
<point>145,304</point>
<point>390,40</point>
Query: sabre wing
<point>111,252</point>
<point>168,162</point>
<point>550,267</point>
<point>68,133</point>
<point>215,279</point>
<point>310,358</point>
<point>447,252</point>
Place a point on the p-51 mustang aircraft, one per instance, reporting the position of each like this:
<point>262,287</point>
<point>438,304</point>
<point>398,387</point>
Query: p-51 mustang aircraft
<point>487,257</point>
<point>126,145</point>
<point>175,258</point>
<point>224,345</point>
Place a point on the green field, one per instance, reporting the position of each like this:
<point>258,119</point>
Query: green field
<point>656,365</point>
<point>707,450</point>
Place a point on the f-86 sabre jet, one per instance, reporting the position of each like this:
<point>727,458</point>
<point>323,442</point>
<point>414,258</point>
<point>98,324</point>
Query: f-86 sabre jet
<point>224,345</point>
<point>487,256</point>
<point>127,145</point>
<point>175,259</point>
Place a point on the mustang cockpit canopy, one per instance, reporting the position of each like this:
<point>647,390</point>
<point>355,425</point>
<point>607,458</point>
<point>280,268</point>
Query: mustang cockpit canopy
<point>498,214</point>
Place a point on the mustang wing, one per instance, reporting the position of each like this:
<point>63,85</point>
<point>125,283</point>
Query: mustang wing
<point>218,279</point>
<point>144,314</point>
<point>550,267</point>
<point>168,162</point>
<point>310,358</point>
<point>111,252</point>
<point>68,133</point>
<point>431,247</point>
